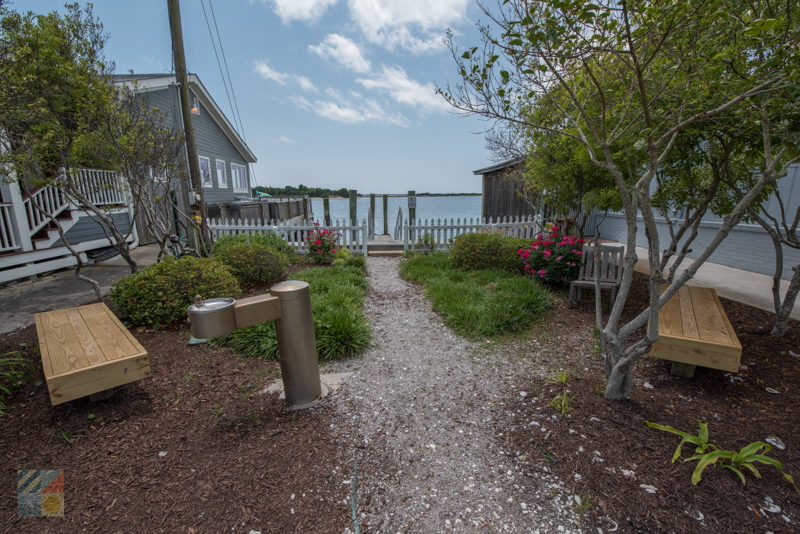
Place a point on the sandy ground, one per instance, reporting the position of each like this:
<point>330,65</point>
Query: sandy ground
<point>423,416</point>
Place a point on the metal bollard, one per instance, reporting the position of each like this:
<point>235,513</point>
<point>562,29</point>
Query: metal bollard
<point>296,344</point>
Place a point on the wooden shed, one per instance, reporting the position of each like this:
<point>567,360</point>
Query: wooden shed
<point>503,192</point>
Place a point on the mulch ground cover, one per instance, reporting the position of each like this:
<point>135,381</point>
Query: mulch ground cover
<point>192,449</point>
<point>621,469</point>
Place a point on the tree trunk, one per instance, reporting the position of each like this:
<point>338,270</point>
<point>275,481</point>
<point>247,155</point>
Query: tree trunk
<point>782,313</point>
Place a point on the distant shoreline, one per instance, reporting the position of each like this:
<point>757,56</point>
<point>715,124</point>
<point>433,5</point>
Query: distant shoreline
<point>378,195</point>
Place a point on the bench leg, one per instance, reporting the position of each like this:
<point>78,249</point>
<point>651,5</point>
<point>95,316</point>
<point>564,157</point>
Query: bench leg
<point>571,295</point>
<point>101,395</point>
<point>684,370</point>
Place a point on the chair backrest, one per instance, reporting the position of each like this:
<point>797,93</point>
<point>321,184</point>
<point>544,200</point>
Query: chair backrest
<point>609,263</point>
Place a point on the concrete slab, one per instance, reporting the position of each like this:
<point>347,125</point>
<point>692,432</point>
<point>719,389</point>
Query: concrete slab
<point>753,289</point>
<point>20,301</point>
<point>330,383</point>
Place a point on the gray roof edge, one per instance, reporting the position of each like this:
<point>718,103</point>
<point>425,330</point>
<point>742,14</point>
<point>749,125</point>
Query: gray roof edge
<point>500,166</point>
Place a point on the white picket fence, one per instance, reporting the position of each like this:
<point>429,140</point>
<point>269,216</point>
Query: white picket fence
<point>353,237</point>
<point>442,232</point>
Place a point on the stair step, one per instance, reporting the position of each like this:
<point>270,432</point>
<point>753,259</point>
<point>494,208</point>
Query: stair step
<point>385,246</point>
<point>385,253</point>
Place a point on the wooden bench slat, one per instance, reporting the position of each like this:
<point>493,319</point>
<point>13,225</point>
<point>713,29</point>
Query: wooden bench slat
<point>670,318</point>
<point>709,317</point>
<point>64,349</point>
<point>111,339</point>
<point>43,350</point>
<point>90,347</point>
<point>688,319</point>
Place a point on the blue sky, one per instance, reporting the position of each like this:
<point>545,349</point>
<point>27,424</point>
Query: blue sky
<point>332,93</point>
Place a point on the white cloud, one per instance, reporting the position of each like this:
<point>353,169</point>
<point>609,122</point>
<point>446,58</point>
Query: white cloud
<point>305,83</point>
<point>414,25</point>
<point>307,10</point>
<point>282,139</point>
<point>395,82</point>
<point>343,50</point>
<point>268,73</point>
<point>349,112</point>
<point>263,69</point>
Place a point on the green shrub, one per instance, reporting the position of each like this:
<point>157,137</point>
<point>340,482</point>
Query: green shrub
<point>269,239</point>
<point>160,294</point>
<point>337,301</point>
<point>487,251</point>
<point>15,372</point>
<point>480,303</point>
<point>253,263</point>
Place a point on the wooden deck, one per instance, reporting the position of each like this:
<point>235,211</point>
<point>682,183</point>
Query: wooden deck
<point>694,330</point>
<point>86,350</point>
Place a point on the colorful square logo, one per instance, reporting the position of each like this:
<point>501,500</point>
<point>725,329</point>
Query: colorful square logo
<point>40,492</point>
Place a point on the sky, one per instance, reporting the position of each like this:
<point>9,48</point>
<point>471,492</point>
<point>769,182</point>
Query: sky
<point>331,93</point>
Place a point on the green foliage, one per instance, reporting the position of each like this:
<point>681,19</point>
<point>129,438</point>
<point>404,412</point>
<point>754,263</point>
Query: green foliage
<point>160,294</point>
<point>700,441</point>
<point>344,258</point>
<point>302,190</point>
<point>269,239</point>
<point>708,454</point>
<point>337,301</point>
<point>15,372</point>
<point>253,263</point>
<point>480,303</point>
<point>487,251</point>
<point>425,243</point>
<point>562,403</point>
<point>559,377</point>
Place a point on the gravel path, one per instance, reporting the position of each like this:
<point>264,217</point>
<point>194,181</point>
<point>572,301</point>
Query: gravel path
<point>424,413</point>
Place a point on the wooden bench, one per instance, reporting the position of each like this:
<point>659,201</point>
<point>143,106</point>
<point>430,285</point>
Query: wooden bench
<point>86,350</point>
<point>694,330</point>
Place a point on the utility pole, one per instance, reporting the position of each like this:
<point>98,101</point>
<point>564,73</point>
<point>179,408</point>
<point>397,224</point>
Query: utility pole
<point>195,180</point>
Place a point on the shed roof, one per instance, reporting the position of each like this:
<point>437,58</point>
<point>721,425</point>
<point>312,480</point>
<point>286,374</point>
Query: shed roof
<point>152,82</point>
<point>500,166</point>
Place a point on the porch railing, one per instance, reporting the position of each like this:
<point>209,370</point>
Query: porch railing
<point>46,200</point>
<point>101,188</point>
<point>8,241</point>
<point>354,237</point>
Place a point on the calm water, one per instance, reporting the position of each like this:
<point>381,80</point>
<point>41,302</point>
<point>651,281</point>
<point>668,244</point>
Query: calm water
<point>427,208</point>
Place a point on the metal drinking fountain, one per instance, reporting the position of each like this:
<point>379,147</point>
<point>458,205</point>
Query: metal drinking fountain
<point>289,305</point>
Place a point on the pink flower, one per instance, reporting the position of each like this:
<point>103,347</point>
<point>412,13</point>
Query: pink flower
<point>559,258</point>
<point>547,253</point>
<point>317,242</point>
<point>555,228</point>
<point>541,272</point>
<point>333,251</point>
<point>319,251</point>
<point>526,254</point>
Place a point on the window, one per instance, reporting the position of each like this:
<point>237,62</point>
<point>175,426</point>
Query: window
<point>239,178</point>
<point>205,172</point>
<point>222,179</point>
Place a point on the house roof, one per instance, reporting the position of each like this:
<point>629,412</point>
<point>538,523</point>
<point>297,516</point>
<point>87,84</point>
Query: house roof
<point>152,82</point>
<point>500,166</point>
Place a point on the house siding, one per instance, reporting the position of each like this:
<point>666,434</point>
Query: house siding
<point>211,142</point>
<point>88,229</point>
<point>747,247</point>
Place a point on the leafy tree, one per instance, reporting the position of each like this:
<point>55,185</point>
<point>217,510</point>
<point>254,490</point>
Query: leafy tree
<point>638,72</point>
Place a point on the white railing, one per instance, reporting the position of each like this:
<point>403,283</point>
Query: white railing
<point>442,232</point>
<point>43,203</point>
<point>7,240</point>
<point>101,188</point>
<point>353,237</point>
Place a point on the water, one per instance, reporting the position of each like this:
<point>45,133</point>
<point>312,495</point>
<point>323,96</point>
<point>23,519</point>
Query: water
<point>427,208</point>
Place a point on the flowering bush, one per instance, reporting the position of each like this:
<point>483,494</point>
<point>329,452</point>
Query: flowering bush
<point>253,263</point>
<point>322,244</point>
<point>554,259</point>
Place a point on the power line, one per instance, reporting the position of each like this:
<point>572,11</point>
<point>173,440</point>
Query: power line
<point>225,62</point>
<point>219,65</point>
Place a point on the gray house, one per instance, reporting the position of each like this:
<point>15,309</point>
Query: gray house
<point>224,156</point>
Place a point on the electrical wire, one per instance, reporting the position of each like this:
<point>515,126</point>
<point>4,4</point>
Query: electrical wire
<point>219,64</point>
<point>225,62</point>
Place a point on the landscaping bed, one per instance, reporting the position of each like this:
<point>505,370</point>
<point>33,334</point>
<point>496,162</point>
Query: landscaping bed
<point>621,470</point>
<point>193,448</point>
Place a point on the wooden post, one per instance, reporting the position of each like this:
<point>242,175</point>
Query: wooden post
<point>385,214</point>
<point>371,221</point>
<point>353,207</point>
<point>326,209</point>
<point>412,213</point>
<point>182,78</point>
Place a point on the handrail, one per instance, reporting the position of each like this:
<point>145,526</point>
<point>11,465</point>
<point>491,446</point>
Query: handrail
<point>46,202</point>
<point>8,241</point>
<point>398,225</point>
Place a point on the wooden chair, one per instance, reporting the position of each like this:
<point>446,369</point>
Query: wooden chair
<point>610,262</point>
